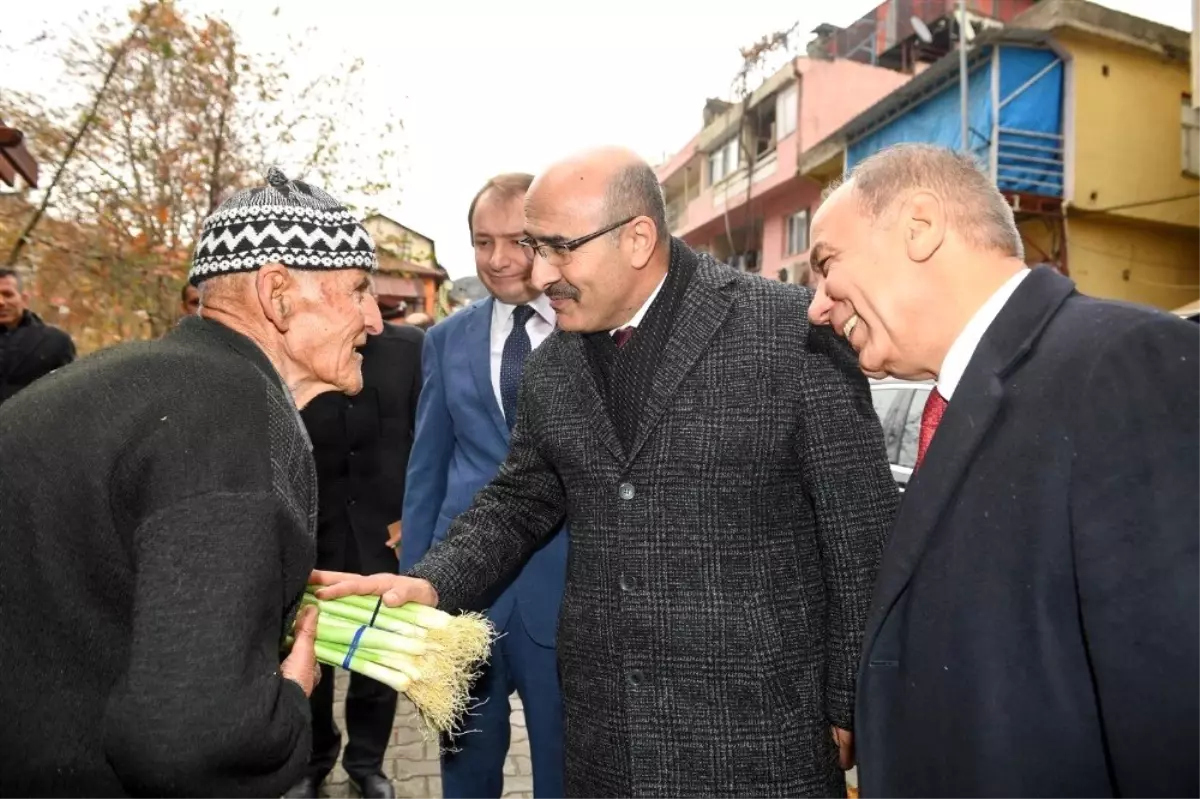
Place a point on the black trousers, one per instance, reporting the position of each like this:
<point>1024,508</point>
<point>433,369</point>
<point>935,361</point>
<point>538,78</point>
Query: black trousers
<point>370,711</point>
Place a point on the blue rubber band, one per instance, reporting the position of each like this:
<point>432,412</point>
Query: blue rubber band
<point>358,635</point>
<point>353,646</point>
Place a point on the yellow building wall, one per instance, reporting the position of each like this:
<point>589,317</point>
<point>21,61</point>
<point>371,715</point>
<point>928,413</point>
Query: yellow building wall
<point>1122,260</point>
<point>1127,130</point>
<point>400,241</point>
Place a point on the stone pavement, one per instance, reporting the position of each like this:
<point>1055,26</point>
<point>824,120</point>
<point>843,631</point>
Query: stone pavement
<point>412,762</point>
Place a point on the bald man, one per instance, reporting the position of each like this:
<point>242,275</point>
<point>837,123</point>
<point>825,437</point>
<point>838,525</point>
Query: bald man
<point>724,478</point>
<point>1034,630</point>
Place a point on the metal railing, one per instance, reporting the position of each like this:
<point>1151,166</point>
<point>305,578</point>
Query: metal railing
<point>1029,161</point>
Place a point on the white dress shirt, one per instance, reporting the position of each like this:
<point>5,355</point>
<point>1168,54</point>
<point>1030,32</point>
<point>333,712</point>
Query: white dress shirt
<point>641,314</point>
<point>539,327</point>
<point>960,352</point>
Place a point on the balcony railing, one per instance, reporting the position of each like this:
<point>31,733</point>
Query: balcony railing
<point>1028,161</point>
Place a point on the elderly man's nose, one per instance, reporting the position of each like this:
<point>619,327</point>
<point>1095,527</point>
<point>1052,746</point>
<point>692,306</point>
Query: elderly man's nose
<point>372,318</point>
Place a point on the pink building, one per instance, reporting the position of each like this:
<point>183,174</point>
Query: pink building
<point>734,190</point>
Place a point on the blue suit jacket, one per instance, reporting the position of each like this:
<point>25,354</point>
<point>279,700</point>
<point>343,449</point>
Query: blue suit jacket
<point>460,442</point>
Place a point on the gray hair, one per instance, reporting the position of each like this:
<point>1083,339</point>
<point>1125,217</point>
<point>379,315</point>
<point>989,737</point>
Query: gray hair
<point>635,191</point>
<point>975,208</point>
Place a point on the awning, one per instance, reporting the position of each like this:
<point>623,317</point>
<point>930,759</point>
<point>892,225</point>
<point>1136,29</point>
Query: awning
<point>15,158</point>
<point>395,286</point>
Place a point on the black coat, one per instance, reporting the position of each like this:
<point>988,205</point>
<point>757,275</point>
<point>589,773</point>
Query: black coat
<point>1034,628</point>
<point>32,350</point>
<point>157,524</point>
<point>361,446</point>
<point>721,565</point>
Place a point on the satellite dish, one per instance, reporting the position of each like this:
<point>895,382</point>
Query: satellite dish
<point>922,30</point>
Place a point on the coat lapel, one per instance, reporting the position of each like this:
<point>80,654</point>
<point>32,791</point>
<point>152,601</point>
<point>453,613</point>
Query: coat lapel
<point>699,315</point>
<point>591,398</point>
<point>479,348</point>
<point>969,417</point>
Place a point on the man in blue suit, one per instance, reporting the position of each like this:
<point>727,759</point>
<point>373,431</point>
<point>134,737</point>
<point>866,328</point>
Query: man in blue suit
<point>472,366</point>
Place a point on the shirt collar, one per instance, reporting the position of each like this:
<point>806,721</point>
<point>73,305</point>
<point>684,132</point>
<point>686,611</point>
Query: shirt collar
<point>641,313</point>
<point>964,346</point>
<point>501,311</point>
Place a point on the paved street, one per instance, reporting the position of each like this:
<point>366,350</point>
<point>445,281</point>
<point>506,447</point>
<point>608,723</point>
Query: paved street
<point>412,762</point>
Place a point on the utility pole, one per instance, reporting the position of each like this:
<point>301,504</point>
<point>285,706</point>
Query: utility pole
<point>962,73</point>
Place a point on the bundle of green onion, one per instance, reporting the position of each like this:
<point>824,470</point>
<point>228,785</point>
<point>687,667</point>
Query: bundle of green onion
<point>429,655</point>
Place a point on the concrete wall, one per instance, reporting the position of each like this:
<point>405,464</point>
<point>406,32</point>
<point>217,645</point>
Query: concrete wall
<point>1126,259</point>
<point>1126,105</point>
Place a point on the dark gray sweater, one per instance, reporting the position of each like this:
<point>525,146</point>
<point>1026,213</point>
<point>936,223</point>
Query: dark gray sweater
<point>157,527</point>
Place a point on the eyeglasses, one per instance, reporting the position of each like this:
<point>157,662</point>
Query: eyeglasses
<point>559,253</point>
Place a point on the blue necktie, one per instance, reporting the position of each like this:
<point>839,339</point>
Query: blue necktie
<point>512,361</point>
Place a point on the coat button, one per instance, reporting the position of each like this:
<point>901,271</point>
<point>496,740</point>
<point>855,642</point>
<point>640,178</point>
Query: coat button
<point>628,582</point>
<point>625,490</point>
<point>635,678</point>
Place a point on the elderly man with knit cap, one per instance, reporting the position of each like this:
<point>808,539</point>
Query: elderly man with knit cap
<point>144,596</point>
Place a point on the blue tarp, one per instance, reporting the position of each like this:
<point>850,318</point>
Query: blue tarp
<point>1036,110</point>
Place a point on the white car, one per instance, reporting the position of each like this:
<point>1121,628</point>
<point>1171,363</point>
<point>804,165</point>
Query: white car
<point>899,404</point>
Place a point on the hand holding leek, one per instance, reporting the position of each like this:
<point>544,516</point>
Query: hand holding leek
<point>430,656</point>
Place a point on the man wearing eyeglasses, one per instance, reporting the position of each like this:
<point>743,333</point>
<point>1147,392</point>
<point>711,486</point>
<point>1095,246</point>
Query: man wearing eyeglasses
<point>472,370</point>
<point>724,476</point>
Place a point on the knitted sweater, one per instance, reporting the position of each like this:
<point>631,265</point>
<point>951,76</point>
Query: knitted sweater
<point>157,523</point>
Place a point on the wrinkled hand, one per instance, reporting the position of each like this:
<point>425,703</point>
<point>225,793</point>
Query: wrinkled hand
<point>301,665</point>
<point>394,588</point>
<point>845,742</point>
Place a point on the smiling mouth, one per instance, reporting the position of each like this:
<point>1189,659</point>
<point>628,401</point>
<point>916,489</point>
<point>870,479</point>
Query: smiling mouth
<point>848,328</point>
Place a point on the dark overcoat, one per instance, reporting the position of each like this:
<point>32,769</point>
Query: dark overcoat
<point>1035,627</point>
<point>720,567</point>
<point>361,446</point>
<point>31,350</point>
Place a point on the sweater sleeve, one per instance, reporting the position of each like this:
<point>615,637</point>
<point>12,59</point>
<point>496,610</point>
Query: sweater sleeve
<point>202,708</point>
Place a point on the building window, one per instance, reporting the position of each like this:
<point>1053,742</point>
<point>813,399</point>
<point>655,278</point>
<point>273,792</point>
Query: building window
<point>1190,136</point>
<point>797,233</point>
<point>785,111</point>
<point>723,162</point>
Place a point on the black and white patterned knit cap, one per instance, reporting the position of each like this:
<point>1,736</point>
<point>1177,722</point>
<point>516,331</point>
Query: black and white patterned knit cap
<point>288,222</point>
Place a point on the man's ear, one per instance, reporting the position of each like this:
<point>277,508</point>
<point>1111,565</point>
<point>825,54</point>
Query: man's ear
<point>923,222</point>
<point>273,286</point>
<point>644,239</point>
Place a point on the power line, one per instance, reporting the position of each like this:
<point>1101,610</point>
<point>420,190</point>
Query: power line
<point>1140,204</point>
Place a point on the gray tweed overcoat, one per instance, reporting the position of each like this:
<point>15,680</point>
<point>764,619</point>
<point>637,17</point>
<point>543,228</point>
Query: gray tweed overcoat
<point>721,569</point>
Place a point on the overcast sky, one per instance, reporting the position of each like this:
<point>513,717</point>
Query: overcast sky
<point>485,87</point>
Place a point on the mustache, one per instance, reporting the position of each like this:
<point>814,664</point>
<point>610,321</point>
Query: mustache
<point>562,290</point>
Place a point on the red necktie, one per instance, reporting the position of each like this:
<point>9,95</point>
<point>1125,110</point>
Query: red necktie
<point>935,406</point>
<point>622,335</point>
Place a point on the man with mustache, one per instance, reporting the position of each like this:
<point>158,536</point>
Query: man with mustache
<point>472,371</point>
<point>723,473</point>
<point>1033,632</point>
